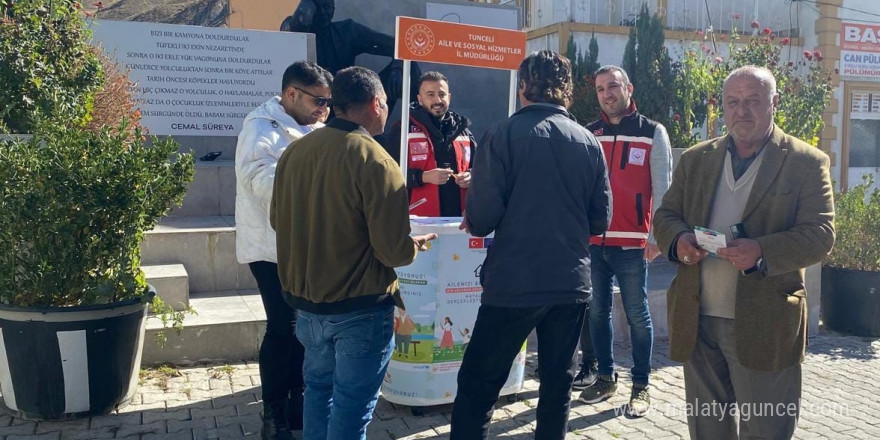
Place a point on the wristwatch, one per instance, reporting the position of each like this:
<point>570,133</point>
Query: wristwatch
<point>760,264</point>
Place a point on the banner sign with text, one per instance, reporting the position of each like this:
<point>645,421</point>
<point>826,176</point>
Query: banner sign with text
<point>200,81</point>
<point>459,44</point>
<point>860,51</point>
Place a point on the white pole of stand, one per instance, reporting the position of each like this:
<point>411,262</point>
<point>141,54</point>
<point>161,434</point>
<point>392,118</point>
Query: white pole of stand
<point>404,119</point>
<point>514,88</point>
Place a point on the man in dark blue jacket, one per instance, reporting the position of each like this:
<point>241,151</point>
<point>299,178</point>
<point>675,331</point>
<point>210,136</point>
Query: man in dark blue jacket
<point>537,168</point>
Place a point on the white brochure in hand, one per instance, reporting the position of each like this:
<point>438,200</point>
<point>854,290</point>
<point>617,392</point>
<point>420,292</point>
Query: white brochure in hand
<point>710,240</point>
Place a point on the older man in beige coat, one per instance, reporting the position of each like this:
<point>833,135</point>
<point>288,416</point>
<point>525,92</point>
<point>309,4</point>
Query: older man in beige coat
<point>738,318</point>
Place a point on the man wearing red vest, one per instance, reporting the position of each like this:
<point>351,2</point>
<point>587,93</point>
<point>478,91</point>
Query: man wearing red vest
<point>440,150</point>
<point>640,169</point>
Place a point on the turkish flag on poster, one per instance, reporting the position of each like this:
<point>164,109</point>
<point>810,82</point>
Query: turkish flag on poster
<point>475,243</point>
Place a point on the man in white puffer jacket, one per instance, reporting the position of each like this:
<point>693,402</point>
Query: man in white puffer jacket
<point>303,105</point>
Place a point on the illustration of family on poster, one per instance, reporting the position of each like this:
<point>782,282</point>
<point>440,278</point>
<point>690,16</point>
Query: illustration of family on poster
<point>418,342</point>
<point>441,291</point>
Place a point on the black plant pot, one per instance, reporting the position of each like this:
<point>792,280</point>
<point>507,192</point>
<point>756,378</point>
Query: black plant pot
<point>60,363</point>
<point>851,301</point>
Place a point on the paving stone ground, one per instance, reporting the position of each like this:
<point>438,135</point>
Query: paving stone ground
<point>223,402</point>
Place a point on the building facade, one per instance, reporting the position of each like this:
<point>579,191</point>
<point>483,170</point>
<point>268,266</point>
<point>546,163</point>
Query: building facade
<point>846,32</point>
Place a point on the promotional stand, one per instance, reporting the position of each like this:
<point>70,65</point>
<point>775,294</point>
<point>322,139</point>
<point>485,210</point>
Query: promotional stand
<point>442,289</point>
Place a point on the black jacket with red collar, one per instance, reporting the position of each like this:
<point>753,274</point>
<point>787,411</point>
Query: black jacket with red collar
<point>432,143</point>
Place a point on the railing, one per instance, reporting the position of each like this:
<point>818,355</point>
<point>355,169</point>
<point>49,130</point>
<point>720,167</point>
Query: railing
<point>727,15</point>
<point>540,13</point>
<point>683,15</point>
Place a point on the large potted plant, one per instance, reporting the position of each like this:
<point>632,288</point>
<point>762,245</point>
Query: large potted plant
<point>851,275</point>
<point>75,200</point>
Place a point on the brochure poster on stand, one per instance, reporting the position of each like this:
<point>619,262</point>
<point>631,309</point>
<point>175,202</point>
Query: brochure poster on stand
<point>441,291</point>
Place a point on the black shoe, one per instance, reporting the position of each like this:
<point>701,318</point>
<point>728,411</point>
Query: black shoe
<point>639,401</point>
<point>603,389</point>
<point>585,378</point>
<point>275,421</point>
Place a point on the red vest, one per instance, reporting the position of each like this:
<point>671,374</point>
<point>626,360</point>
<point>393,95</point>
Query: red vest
<point>628,156</point>
<point>425,200</point>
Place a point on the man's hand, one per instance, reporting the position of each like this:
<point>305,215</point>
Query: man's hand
<point>742,253</point>
<point>463,179</point>
<point>688,251</point>
<point>422,240</point>
<point>651,252</point>
<point>464,226</point>
<point>437,176</point>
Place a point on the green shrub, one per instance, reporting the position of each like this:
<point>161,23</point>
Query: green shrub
<point>74,206</point>
<point>47,69</point>
<point>857,227</point>
<point>585,102</point>
<point>647,62</point>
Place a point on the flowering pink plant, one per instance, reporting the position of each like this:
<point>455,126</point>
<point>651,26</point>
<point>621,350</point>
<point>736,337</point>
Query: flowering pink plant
<point>804,86</point>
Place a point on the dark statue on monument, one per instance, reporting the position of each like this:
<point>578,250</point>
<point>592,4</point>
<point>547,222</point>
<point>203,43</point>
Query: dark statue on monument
<point>338,43</point>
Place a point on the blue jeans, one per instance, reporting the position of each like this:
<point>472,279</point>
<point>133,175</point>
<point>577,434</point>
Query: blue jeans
<point>345,363</point>
<point>631,270</point>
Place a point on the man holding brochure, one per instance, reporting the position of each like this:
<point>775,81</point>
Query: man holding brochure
<point>737,319</point>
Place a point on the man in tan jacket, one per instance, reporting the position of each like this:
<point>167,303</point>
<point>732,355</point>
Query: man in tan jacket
<point>340,210</point>
<point>738,319</point>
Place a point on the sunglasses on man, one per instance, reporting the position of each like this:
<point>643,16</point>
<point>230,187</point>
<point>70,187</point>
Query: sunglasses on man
<point>320,101</point>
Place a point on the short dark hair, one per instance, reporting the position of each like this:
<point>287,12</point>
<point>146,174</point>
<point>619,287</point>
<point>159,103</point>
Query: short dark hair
<point>354,86</point>
<point>611,68</point>
<point>305,74</point>
<point>432,76</point>
<point>547,78</point>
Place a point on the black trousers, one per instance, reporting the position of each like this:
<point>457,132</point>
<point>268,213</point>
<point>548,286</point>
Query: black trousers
<point>281,354</point>
<point>498,336</point>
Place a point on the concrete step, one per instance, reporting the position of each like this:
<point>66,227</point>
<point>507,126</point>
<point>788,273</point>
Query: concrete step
<point>229,326</point>
<point>171,283</point>
<point>205,246</point>
<point>212,191</point>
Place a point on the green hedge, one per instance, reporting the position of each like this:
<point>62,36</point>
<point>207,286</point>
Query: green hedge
<point>73,209</point>
<point>47,71</point>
